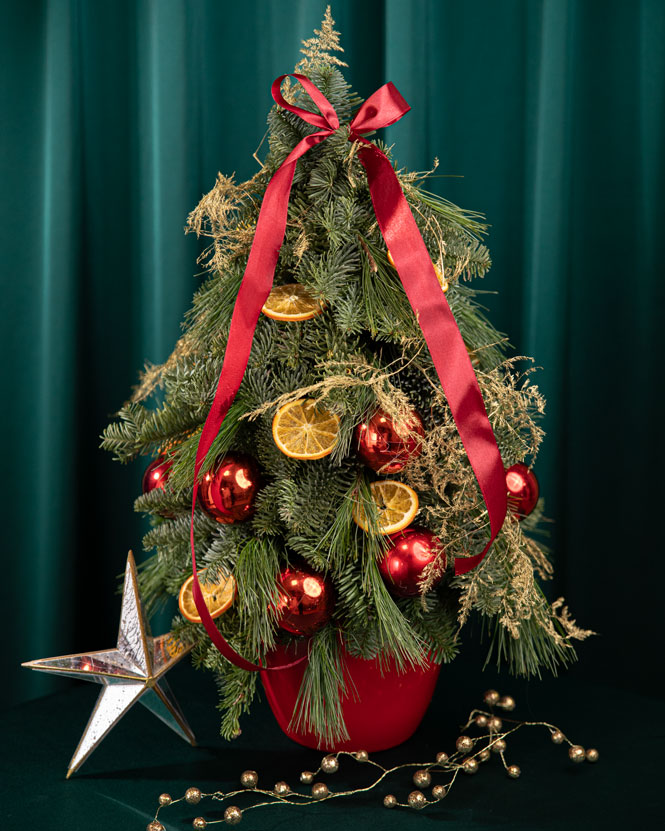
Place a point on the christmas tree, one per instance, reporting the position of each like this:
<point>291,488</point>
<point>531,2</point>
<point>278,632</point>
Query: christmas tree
<point>337,494</point>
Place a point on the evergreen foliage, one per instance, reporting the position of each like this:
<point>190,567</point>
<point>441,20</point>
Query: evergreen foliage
<point>364,349</point>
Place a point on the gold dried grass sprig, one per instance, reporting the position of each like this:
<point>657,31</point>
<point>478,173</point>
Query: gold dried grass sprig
<point>218,216</point>
<point>354,372</point>
<point>153,374</point>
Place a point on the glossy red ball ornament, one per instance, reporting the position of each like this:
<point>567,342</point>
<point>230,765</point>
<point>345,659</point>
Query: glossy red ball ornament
<point>156,474</point>
<point>403,564</point>
<point>227,491</point>
<point>523,490</point>
<point>306,600</point>
<point>381,447</point>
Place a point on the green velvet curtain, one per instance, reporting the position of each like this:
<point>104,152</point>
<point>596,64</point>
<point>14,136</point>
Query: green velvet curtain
<point>547,115</point>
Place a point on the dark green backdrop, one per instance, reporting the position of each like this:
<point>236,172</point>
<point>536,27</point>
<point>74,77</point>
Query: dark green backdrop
<point>547,115</point>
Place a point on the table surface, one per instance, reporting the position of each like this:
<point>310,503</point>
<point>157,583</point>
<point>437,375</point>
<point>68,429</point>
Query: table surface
<point>119,784</point>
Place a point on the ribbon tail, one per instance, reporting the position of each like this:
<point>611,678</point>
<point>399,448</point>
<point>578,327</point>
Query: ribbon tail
<point>254,290</point>
<point>443,338</point>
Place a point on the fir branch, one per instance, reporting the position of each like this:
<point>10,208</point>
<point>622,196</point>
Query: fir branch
<point>181,475</point>
<point>236,689</point>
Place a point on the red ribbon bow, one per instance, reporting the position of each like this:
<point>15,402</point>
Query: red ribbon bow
<point>414,266</point>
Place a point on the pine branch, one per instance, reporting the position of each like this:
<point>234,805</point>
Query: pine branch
<point>318,706</point>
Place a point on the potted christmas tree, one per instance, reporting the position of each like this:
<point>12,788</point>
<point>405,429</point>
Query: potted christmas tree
<point>350,483</point>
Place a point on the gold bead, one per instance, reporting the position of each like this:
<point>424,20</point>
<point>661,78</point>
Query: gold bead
<point>513,771</point>
<point>439,791</point>
<point>441,758</point>
<point>592,755</point>
<point>281,788</point>
<point>249,779</point>
<point>422,778</point>
<point>193,796</point>
<point>165,799</point>
<point>491,697</point>
<point>557,736</point>
<point>576,753</point>
<point>307,777</point>
<point>464,744</point>
<point>198,823</point>
<point>417,800</point>
<point>495,724</point>
<point>481,720</point>
<point>470,766</point>
<point>389,801</point>
<point>319,790</point>
<point>484,754</point>
<point>499,746</point>
<point>155,825</point>
<point>330,764</point>
<point>361,755</point>
<point>506,702</point>
<point>232,815</point>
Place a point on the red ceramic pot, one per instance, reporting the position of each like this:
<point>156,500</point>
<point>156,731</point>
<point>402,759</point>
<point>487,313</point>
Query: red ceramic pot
<point>385,712</point>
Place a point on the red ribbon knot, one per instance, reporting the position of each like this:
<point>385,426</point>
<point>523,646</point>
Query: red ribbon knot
<point>415,269</point>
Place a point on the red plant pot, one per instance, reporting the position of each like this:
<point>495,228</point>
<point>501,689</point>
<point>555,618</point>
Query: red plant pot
<point>384,711</point>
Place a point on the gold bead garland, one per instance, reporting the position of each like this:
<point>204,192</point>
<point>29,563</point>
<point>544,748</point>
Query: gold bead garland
<point>469,753</point>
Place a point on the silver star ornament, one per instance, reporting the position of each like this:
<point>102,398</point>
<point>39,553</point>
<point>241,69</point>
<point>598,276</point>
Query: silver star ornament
<point>133,671</point>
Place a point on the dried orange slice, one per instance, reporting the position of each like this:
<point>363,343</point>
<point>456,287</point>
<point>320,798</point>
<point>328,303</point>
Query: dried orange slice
<point>291,302</point>
<point>218,597</point>
<point>445,285</point>
<point>302,430</point>
<point>396,503</point>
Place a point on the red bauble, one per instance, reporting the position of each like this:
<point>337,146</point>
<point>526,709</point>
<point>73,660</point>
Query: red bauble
<point>227,491</point>
<point>156,474</point>
<point>523,490</point>
<point>403,564</point>
<point>382,448</point>
<point>306,600</point>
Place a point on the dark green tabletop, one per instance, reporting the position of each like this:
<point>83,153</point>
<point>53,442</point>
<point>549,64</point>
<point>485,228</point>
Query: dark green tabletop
<point>119,785</point>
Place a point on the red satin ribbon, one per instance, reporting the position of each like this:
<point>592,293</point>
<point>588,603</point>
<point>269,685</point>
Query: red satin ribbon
<point>414,266</point>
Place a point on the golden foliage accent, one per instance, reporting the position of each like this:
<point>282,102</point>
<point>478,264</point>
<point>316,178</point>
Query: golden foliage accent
<point>151,377</point>
<point>354,372</point>
<point>569,624</point>
<point>219,216</point>
<point>319,49</point>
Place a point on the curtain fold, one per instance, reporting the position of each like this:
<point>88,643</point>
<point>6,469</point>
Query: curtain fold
<point>547,115</point>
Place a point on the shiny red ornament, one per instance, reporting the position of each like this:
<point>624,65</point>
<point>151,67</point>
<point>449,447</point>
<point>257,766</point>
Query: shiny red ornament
<point>156,474</point>
<point>306,600</point>
<point>403,564</point>
<point>523,490</point>
<point>227,491</point>
<point>381,447</point>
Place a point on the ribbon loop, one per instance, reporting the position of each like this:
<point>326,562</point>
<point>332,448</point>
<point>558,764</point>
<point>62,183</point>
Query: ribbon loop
<point>415,269</point>
<point>382,108</point>
<point>327,118</point>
